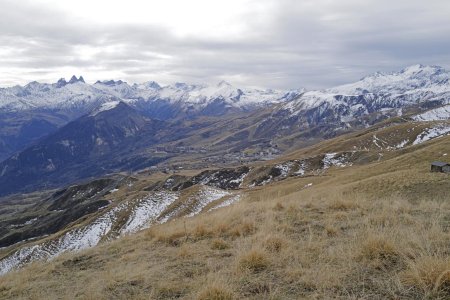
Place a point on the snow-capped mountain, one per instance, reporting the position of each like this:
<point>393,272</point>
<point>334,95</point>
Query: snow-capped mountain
<point>191,100</point>
<point>62,95</point>
<point>54,105</point>
<point>381,91</point>
<point>76,94</point>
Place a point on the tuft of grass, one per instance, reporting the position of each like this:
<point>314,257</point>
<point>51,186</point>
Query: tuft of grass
<point>170,290</point>
<point>254,260</point>
<point>331,230</point>
<point>201,232</point>
<point>170,238</point>
<point>428,274</point>
<point>341,204</point>
<point>380,252</point>
<point>215,291</point>
<point>274,243</point>
<point>243,229</point>
<point>219,244</point>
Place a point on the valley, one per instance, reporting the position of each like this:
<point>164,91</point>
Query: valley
<point>383,221</point>
<point>206,187</point>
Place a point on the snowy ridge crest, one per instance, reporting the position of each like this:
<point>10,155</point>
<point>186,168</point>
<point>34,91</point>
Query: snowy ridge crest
<point>77,93</point>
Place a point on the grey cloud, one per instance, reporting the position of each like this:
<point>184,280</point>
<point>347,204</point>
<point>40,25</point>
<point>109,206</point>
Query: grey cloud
<point>306,43</point>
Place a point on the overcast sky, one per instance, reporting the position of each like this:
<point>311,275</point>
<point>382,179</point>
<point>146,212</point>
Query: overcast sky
<point>265,43</point>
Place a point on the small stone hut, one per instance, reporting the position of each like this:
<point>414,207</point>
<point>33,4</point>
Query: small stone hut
<point>439,166</point>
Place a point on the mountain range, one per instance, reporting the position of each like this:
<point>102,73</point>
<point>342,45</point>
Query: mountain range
<point>37,109</point>
<point>58,133</point>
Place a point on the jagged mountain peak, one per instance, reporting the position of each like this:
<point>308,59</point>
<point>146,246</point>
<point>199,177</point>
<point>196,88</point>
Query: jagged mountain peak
<point>61,82</point>
<point>160,102</point>
<point>110,82</point>
<point>152,85</point>
<point>74,79</point>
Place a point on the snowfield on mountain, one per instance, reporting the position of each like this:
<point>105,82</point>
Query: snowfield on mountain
<point>76,94</point>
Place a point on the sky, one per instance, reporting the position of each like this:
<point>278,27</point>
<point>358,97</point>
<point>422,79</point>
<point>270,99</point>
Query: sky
<point>280,44</point>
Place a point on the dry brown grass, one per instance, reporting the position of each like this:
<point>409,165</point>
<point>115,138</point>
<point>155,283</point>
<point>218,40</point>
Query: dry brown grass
<point>338,239</point>
<point>254,260</point>
<point>380,252</point>
<point>215,291</point>
<point>275,243</point>
<point>429,274</point>
<point>219,244</point>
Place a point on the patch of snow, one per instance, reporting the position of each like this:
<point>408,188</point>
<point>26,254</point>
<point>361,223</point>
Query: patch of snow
<point>5,168</point>
<point>431,133</point>
<point>331,159</point>
<point>76,239</point>
<point>227,202</point>
<point>377,140</point>
<point>205,196</point>
<point>104,107</point>
<point>147,210</point>
<point>284,168</point>
<point>267,181</point>
<point>29,222</point>
<point>65,143</point>
<point>402,144</point>
<point>440,113</point>
<point>301,169</point>
<point>239,180</point>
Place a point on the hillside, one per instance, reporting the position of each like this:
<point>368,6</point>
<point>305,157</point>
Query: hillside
<point>373,226</point>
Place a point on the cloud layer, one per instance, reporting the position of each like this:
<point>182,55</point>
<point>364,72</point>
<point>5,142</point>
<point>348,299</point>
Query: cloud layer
<point>268,43</point>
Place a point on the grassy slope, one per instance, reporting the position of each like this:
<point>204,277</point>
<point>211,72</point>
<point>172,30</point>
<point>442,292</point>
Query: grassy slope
<point>371,231</point>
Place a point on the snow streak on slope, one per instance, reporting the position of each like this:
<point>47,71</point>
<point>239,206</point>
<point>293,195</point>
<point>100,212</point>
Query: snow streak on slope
<point>402,144</point>
<point>431,133</point>
<point>332,159</point>
<point>440,113</point>
<point>301,169</point>
<point>285,168</point>
<point>142,213</point>
<point>105,106</point>
<point>227,202</point>
<point>147,210</point>
<point>75,239</point>
<point>205,196</point>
